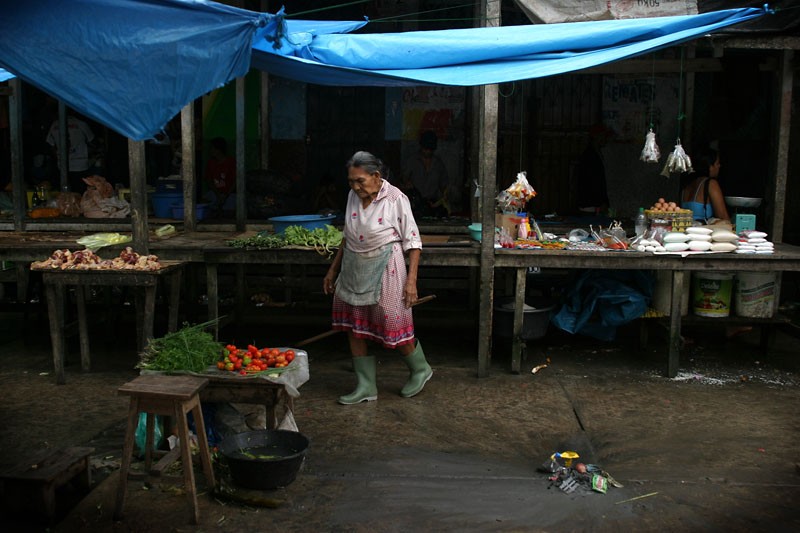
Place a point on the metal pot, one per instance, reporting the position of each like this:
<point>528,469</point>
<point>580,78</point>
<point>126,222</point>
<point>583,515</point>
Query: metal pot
<point>264,459</point>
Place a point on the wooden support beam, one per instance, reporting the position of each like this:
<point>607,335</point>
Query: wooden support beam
<point>188,169</point>
<point>63,146</point>
<point>487,179</point>
<point>241,204</point>
<point>138,172</point>
<point>264,121</point>
<point>785,81</point>
<point>17,177</point>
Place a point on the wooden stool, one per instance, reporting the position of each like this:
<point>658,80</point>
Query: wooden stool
<point>175,397</point>
<point>46,473</point>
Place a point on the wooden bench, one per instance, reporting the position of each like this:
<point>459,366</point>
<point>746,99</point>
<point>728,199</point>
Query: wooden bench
<point>46,473</point>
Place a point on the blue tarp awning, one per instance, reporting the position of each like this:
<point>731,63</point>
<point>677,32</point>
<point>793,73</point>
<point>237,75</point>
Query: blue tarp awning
<point>133,64</point>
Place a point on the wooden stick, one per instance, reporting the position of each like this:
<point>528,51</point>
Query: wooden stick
<point>328,333</point>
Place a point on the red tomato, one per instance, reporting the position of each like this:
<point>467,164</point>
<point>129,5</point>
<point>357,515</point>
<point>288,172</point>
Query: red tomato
<point>221,365</point>
<point>242,373</point>
<point>274,352</point>
<point>289,356</point>
<point>237,365</point>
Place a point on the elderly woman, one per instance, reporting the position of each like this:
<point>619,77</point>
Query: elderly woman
<point>372,291</point>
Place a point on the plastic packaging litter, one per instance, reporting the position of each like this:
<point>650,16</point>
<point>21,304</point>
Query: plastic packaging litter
<point>98,240</point>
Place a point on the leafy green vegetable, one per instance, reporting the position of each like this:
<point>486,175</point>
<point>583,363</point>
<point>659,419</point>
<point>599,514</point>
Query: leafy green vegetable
<point>323,240</point>
<point>191,348</point>
<point>260,241</point>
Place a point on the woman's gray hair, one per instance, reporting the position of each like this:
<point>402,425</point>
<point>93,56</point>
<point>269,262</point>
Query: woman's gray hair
<point>368,162</point>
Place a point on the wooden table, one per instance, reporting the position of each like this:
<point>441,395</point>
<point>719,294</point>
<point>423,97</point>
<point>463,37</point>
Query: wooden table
<point>56,281</point>
<point>785,258</point>
<point>463,254</point>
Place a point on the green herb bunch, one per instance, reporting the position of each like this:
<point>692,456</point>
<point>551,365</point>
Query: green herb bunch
<point>259,242</point>
<point>191,348</point>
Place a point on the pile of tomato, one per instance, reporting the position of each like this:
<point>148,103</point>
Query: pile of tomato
<point>253,360</point>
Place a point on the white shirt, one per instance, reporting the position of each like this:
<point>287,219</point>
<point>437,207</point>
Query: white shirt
<point>79,135</point>
<point>387,219</point>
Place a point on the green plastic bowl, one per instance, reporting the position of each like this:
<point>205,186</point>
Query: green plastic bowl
<point>475,231</point>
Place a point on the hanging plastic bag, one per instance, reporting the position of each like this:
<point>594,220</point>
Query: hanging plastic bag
<point>514,198</point>
<point>141,433</point>
<point>650,152</point>
<point>678,161</point>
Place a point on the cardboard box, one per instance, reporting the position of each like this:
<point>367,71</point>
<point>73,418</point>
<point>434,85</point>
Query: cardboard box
<point>745,222</point>
<point>508,221</point>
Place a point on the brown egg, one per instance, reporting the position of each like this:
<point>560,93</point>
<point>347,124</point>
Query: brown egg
<point>673,204</point>
<point>661,200</point>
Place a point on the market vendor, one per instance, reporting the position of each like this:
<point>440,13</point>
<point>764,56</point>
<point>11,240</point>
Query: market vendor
<point>701,191</point>
<point>372,290</point>
<point>220,172</point>
<point>425,179</point>
<point>590,173</point>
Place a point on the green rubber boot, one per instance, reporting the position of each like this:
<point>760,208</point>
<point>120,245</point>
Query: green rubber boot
<point>421,372</point>
<point>366,390</point>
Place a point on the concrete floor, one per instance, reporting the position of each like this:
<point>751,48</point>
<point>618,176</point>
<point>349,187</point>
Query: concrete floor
<point>714,449</point>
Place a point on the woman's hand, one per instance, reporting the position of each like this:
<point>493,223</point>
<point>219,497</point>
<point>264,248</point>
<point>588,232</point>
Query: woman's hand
<point>410,295</point>
<point>328,281</point>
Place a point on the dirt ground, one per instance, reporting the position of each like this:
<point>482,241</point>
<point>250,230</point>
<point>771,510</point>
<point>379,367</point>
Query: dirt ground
<point>713,449</point>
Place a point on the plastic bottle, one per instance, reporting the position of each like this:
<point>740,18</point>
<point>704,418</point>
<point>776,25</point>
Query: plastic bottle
<point>523,228</point>
<point>640,223</point>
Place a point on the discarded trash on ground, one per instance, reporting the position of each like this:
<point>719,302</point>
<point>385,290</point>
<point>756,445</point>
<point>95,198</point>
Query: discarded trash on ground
<point>568,475</point>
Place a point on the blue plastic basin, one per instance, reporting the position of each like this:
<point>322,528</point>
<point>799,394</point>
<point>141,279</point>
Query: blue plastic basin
<point>162,203</point>
<point>279,224</point>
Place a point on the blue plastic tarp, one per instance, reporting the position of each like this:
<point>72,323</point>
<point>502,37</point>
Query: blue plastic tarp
<point>129,64</point>
<point>133,64</point>
<point>480,56</point>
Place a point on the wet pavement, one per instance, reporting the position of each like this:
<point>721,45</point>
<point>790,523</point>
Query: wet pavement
<point>713,449</point>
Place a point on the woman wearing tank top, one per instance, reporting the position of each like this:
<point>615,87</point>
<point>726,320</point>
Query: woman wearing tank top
<point>702,193</point>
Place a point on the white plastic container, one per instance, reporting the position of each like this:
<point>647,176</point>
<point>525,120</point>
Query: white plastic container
<point>754,295</point>
<point>711,294</point>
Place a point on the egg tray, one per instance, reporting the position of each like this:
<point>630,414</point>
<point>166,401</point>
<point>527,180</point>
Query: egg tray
<point>679,220</point>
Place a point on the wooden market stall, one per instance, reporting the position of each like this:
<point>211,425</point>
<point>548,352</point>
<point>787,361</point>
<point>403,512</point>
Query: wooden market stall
<point>209,248</point>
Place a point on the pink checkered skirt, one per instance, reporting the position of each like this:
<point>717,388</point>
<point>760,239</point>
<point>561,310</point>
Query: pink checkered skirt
<point>388,322</point>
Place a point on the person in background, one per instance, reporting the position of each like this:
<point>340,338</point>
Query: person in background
<point>591,193</point>
<point>79,140</point>
<point>220,172</point>
<point>425,180</point>
<point>372,290</point>
<point>701,192</point>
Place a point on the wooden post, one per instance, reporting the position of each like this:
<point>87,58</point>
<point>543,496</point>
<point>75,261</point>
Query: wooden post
<point>17,179</point>
<point>241,204</point>
<point>781,143</point>
<point>188,170</point>
<point>137,169</point>
<point>487,179</point>
<point>264,121</point>
<point>63,145</point>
